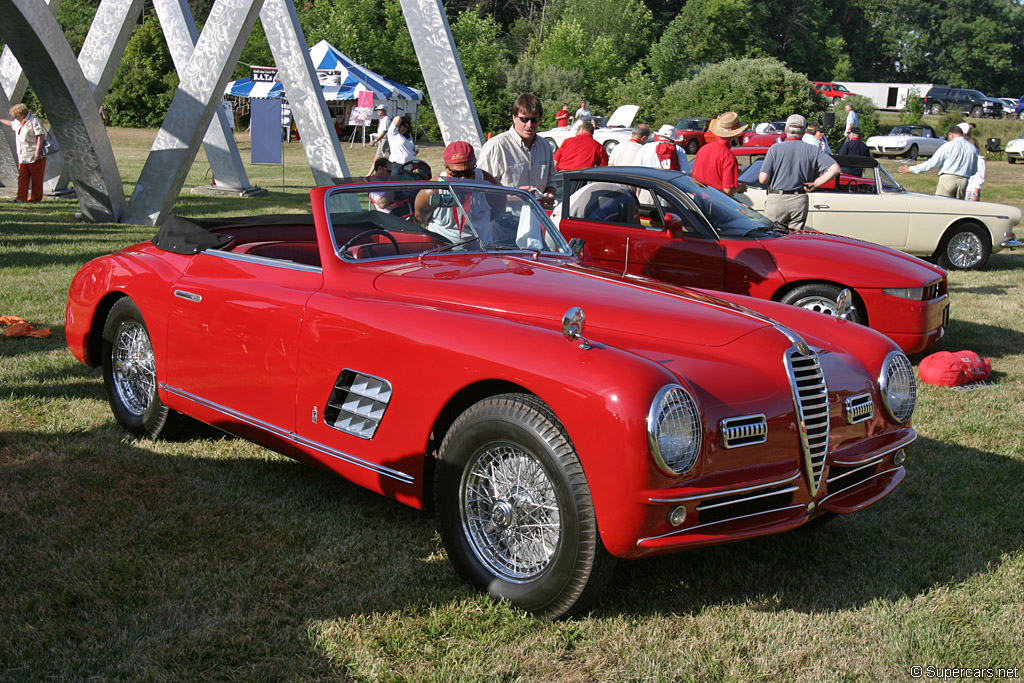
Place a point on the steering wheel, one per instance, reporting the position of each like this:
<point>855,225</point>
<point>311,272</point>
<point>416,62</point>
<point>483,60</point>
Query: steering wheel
<point>367,233</point>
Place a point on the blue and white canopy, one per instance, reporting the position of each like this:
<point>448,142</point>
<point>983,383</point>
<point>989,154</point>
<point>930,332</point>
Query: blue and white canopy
<point>340,79</point>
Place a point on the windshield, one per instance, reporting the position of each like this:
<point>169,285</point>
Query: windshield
<point>391,219</point>
<point>887,182</point>
<point>728,217</point>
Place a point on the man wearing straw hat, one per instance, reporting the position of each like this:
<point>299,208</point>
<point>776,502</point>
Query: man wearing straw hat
<point>715,164</point>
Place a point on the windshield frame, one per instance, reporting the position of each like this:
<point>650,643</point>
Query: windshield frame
<point>554,243</point>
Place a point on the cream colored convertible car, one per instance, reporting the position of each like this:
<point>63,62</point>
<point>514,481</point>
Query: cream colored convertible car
<point>865,202</point>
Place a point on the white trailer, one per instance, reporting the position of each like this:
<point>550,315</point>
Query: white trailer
<point>891,96</point>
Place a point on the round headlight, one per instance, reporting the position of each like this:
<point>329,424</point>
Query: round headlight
<point>674,429</point>
<point>898,386</point>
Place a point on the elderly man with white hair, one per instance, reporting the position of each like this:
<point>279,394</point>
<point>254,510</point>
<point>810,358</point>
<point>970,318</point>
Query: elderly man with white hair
<point>790,170</point>
<point>662,152</point>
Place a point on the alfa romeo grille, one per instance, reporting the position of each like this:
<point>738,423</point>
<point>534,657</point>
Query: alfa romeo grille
<point>743,431</point>
<point>810,395</point>
<point>357,403</point>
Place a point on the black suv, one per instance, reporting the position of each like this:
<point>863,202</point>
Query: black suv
<point>940,98</point>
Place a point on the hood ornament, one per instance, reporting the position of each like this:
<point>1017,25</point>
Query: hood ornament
<point>572,326</point>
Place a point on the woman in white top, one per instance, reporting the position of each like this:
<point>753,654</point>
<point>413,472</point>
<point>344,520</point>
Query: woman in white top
<point>400,141</point>
<point>29,134</point>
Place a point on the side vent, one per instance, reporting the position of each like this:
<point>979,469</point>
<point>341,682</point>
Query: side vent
<point>743,431</point>
<point>357,404</point>
<point>859,408</point>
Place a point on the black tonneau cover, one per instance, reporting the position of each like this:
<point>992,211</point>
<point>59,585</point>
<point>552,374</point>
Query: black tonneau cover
<point>188,236</point>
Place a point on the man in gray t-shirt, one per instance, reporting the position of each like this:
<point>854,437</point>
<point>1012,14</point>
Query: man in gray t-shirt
<point>790,170</point>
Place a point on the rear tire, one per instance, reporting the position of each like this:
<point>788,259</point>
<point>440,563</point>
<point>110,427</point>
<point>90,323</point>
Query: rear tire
<point>610,145</point>
<point>129,374</point>
<point>821,298</point>
<point>966,247</point>
<point>936,109</point>
<point>912,153</point>
<point>552,144</point>
<point>514,508</point>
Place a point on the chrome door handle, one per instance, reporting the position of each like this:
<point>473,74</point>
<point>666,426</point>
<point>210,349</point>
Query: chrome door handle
<point>821,206</point>
<point>187,296</point>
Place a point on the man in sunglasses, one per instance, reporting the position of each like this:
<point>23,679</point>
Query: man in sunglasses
<point>518,158</point>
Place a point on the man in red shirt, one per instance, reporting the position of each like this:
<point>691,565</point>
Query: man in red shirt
<point>715,165</point>
<point>581,151</point>
<point>562,116</point>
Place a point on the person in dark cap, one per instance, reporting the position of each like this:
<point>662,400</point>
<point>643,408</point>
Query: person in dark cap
<point>459,164</point>
<point>790,170</point>
<point>853,146</point>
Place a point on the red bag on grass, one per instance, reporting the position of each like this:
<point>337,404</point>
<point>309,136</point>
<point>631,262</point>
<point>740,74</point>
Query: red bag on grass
<point>951,369</point>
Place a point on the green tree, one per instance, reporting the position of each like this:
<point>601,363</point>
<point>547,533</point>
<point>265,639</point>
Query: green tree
<point>758,89</point>
<point>145,82</point>
<point>554,86</point>
<point>914,108</point>
<point>486,64</point>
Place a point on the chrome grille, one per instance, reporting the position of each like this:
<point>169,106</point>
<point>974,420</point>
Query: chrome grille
<point>810,396</point>
<point>357,403</point>
<point>743,431</point>
<point>859,408</point>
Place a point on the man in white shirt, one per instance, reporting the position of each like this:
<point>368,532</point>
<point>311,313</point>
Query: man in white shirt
<point>625,153</point>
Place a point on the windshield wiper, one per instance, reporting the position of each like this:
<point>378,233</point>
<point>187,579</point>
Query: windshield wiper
<point>447,247</point>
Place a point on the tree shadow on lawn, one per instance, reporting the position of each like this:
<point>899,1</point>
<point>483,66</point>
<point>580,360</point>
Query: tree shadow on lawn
<point>114,541</point>
<point>955,515</point>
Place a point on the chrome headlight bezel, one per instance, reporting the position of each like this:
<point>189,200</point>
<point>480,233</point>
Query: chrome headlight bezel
<point>674,448</point>
<point>898,387</point>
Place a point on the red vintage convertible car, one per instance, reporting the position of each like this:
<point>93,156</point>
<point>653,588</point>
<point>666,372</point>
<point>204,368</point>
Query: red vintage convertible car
<point>666,225</point>
<point>557,416</point>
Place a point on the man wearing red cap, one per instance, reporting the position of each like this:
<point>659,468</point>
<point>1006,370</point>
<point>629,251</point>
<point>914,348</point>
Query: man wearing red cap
<point>459,163</point>
<point>715,164</point>
<point>581,150</point>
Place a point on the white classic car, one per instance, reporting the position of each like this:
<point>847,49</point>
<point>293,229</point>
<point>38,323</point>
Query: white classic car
<point>618,128</point>
<point>865,202</point>
<point>1015,150</point>
<point>906,141</point>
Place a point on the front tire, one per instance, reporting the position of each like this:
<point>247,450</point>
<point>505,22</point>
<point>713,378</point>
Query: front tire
<point>976,113</point>
<point>692,146</point>
<point>964,248</point>
<point>514,508</point>
<point>129,373</point>
<point>821,298</point>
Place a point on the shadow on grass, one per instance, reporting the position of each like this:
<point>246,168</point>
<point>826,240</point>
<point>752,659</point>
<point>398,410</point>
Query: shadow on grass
<point>988,340</point>
<point>955,515</point>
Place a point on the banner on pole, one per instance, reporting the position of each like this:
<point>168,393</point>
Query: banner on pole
<point>266,131</point>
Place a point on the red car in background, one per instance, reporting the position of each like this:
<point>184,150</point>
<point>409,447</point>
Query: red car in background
<point>833,92</point>
<point>667,226</point>
<point>690,133</point>
<point>771,132</point>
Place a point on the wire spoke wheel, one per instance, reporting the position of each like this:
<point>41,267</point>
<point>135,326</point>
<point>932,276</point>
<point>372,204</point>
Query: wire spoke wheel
<point>134,367</point>
<point>510,512</point>
<point>965,249</point>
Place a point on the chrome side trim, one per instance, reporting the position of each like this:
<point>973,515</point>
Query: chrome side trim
<point>680,532</point>
<point>871,456</point>
<point>866,465</point>
<point>187,296</point>
<point>264,261</point>
<point>766,494</point>
<point>728,492</point>
<point>293,437</point>
<point>854,487</point>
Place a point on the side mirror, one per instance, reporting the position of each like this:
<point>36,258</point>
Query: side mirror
<point>577,244</point>
<point>673,223</point>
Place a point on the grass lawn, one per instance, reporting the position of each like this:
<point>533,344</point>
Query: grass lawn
<point>211,558</point>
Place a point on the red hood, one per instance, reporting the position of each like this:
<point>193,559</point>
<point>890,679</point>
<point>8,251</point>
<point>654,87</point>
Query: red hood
<point>540,292</point>
<point>803,255</point>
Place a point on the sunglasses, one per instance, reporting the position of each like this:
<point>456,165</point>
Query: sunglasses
<point>464,173</point>
<point>529,119</point>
